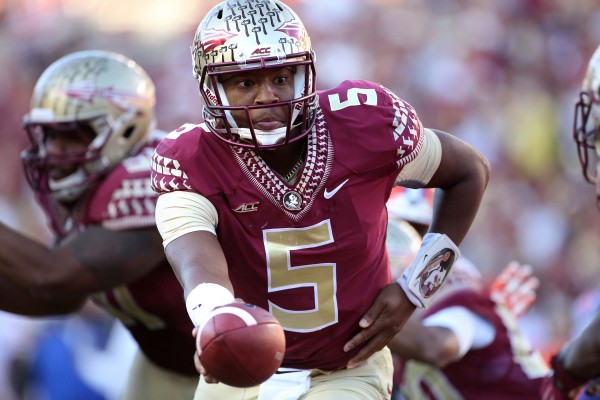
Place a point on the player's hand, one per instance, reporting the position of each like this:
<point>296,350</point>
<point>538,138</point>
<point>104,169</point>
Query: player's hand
<point>386,316</point>
<point>515,287</point>
<point>560,385</point>
<point>208,378</point>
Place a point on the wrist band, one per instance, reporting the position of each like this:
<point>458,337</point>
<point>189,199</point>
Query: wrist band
<point>204,298</point>
<point>428,271</point>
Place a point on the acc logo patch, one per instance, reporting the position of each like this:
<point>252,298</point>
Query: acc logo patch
<point>247,207</point>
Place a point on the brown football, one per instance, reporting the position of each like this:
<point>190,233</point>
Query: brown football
<point>241,345</point>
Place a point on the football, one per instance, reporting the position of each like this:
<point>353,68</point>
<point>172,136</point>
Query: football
<point>241,345</point>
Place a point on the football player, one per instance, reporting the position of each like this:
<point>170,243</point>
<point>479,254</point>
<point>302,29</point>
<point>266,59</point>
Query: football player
<point>279,198</point>
<point>91,126</point>
<point>579,361</point>
<point>467,345</point>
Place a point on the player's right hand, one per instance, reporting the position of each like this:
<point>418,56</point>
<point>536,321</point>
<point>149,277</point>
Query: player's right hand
<point>208,378</point>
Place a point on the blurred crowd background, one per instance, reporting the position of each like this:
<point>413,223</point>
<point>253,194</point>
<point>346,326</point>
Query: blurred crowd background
<point>502,75</point>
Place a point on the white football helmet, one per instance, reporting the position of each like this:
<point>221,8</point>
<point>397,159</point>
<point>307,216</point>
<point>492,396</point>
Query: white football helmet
<point>102,96</point>
<point>254,34</point>
<point>586,130</point>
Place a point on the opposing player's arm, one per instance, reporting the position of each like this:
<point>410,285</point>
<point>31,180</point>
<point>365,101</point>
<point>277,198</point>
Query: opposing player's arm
<point>96,259</point>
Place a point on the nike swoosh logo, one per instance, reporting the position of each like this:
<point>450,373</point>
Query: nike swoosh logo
<point>329,195</point>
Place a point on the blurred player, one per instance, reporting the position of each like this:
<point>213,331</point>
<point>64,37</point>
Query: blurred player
<point>279,199</point>
<point>467,345</point>
<point>92,134</point>
<point>579,361</point>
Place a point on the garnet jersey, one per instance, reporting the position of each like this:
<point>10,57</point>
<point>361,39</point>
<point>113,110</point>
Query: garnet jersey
<point>151,307</point>
<point>312,252</point>
<point>506,369</point>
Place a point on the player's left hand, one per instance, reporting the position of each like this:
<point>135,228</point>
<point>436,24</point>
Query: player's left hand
<point>386,316</point>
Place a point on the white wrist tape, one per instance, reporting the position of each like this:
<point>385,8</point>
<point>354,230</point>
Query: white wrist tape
<point>203,299</point>
<point>429,269</point>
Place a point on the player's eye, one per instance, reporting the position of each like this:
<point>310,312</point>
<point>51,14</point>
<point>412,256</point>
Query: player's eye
<point>280,80</point>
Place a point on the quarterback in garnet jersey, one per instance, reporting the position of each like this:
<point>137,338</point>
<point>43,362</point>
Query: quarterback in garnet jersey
<point>302,262</point>
<point>279,198</point>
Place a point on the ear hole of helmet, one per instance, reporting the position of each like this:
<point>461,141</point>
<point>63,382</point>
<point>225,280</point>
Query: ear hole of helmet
<point>128,132</point>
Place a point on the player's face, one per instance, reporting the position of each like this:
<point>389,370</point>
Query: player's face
<point>261,87</point>
<point>64,142</point>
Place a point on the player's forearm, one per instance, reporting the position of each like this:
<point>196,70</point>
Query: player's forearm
<point>196,258</point>
<point>23,261</point>
<point>95,260</point>
<point>581,358</point>
<point>17,300</point>
<point>435,346</point>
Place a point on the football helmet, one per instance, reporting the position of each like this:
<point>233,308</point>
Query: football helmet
<point>240,35</point>
<point>586,130</point>
<point>104,99</point>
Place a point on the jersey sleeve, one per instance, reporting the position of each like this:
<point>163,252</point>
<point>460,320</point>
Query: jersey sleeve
<point>169,160</point>
<point>371,120</point>
<point>408,130</point>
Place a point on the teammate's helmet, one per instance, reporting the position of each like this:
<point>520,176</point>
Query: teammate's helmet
<point>254,34</point>
<point>101,96</point>
<point>586,131</point>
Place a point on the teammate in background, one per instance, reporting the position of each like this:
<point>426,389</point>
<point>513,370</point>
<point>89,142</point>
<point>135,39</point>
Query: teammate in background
<point>467,345</point>
<point>279,198</point>
<point>92,134</point>
<point>579,360</point>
